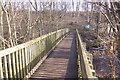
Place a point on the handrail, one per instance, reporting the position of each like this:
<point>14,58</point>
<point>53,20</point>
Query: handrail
<point>18,47</point>
<point>18,61</point>
<point>85,59</point>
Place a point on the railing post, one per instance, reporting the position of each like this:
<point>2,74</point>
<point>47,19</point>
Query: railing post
<point>10,66</point>
<point>26,60</point>
<point>1,69</point>
<point>5,67</point>
<point>30,57</point>
<point>13,63</point>
<point>17,64</point>
<point>23,61</point>
<point>20,64</point>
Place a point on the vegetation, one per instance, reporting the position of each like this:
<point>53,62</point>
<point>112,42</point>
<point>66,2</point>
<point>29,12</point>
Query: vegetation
<point>23,21</point>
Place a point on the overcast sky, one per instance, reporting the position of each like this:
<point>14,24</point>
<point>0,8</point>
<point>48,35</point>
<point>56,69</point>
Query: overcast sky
<point>75,1</point>
<point>45,0</point>
<point>70,1</point>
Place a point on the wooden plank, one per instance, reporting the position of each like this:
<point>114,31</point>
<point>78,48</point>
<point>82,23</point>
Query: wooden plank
<point>26,60</point>
<point>20,64</point>
<point>61,63</point>
<point>19,59</point>
<point>5,66</point>
<point>43,59</point>
<point>1,69</point>
<point>10,66</point>
<point>14,66</point>
<point>30,57</point>
<point>33,55</point>
<point>23,61</point>
<point>36,52</point>
<point>17,64</point>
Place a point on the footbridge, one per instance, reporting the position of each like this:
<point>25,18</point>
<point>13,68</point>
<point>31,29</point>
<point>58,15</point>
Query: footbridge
<point>60,54</point>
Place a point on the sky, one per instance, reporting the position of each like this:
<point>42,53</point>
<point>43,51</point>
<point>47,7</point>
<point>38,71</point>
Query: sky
<point>75,1</point>
<point>72,9</point>
<point>44,0</point>
<point>64,0</point>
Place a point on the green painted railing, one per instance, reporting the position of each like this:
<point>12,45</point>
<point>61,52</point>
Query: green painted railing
<point>19,61</point>
<point>84,60</point>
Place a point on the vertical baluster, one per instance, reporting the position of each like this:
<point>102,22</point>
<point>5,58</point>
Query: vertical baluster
<point>26,60</point>
<point>20,65</point>
<point>46,46</point>
<point>54,37</point>
<point>23,62</point>
<point>51,41</point>
<point>43,43</point>
<point>33,54</point>
<point>17,65</point>
<point>36,51</point>
<point>10,65</point>
<point>30,58</point>
<point>39,46</point>
<point>13,63</point>
<point>5,67</point>
<point>57,35</point>
<point>1,69</point>
<point>40,49</point>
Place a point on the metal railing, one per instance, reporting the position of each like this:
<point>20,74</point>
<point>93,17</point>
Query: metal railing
<point>18,61</point>
<point>84,60</point>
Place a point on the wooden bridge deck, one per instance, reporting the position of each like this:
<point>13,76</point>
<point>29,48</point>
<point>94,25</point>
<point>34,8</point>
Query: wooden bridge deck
<point>62,62</point>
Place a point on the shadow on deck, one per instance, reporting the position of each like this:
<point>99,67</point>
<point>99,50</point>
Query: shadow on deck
<point>62,62</point>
